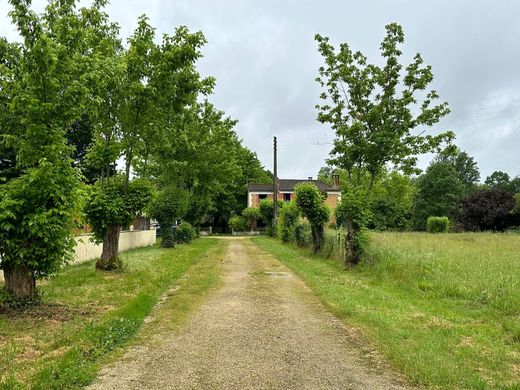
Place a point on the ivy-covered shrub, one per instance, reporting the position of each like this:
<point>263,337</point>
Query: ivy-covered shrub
<point>353,215</point>
<point>238,223</point>
<point>437,224</point>
<point>287,220</point>
<point>167,207</point>
<point>310,203</point>
<point>251,214</point>
<point>302,234</point>
<point>185,233</point>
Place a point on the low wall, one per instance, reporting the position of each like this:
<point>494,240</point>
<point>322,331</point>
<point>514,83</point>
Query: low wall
<point>87,250</point>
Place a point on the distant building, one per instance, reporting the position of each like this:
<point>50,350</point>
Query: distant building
<point>258,192</point>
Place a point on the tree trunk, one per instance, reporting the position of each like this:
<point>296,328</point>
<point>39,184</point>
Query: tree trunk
<point>20,282</point>
<point>109,257</point>
<point>317,238</point>
<point>352,248</point>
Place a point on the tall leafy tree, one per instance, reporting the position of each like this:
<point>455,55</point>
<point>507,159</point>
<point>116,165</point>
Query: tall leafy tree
<point>391,203</point>
<point>439,192</point>
<point>465,166</point>
<point>146,89</point>
<point>374,111</point>
<point>43,90</point>
<point>502,181</point>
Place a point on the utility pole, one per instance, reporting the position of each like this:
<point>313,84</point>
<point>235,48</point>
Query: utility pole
<point>275,186</point>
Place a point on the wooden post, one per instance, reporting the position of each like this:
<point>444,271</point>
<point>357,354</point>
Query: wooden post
<point>275,187</point>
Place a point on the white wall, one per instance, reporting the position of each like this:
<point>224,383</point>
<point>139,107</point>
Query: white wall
<point>87,250</point>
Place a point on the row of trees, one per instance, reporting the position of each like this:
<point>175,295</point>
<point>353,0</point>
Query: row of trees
<point>449,187</point>
<point>76,103</point>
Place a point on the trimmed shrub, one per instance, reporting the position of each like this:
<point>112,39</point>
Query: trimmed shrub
<point>266,207</point>
<point>169,205</point>
<point>287,220</point>
<point>238,223</point>
<point>185,233</point>
<point>251,215</point>
<point>437,224</point>
<point>302,235</point>
<point>309,200</point>
<point>353,214</point>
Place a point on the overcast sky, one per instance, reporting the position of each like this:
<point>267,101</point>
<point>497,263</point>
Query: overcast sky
<point>265,60</point>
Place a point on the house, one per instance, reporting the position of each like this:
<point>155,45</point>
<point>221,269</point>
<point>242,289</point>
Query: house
<point>258,192</point>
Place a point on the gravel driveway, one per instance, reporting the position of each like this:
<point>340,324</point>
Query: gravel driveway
<point>263,329</point>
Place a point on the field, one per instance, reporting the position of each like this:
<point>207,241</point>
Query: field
<point>444,309</point>
<point>88,315</point>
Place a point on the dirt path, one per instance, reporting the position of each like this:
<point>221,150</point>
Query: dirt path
<point>263,329</point>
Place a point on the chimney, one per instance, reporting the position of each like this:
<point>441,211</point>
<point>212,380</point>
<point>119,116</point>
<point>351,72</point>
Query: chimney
<point>335,182</point>
<point>310,178</point>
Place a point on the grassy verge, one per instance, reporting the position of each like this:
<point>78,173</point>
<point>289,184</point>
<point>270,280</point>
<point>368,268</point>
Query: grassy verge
<point>88,316</point>
<point>444,309</point>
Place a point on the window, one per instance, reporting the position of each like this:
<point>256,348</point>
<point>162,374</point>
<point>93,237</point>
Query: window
<point>262,196</point>
<point>286,197</point>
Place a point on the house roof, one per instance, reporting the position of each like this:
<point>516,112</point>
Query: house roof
<point>288,185</point>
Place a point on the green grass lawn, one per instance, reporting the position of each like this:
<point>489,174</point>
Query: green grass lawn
<point>444,309</point>
<point>88,315</point>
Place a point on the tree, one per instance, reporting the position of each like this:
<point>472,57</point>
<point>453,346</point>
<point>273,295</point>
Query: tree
<point>309,201</point>
<point>169,206</point>
<point>465,166</point>
<point>44,89</point>
<point>488,209</point>
<point>374,111</point>
<point>391,202</point>
<point>144,91</point>
<point>439,192</point>
<point>109,207</point>
<point>502,180</point>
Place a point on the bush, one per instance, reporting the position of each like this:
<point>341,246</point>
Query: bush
<point>238,223</point>
<point>266,207</point>
<point>287,220</point>
<point>185,233</point>
<point>437,224</point>
<point>302,235</point>
<point>168,206</point>
<point>251,215</point>
<point>489,209</point>
<point>353,214</point>
<point>310,203</point>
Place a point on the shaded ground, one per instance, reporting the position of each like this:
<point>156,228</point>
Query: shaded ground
<point>262,329</point>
